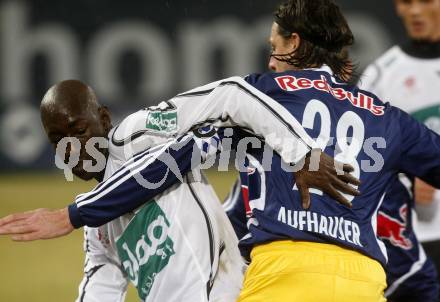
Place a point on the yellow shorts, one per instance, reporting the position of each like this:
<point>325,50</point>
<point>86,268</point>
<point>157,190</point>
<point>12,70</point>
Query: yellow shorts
<point>284,271</point>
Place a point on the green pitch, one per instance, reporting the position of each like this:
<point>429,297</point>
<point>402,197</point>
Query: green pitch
<point>51,270</point>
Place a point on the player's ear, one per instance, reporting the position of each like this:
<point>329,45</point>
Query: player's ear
<point>294,42</point>
<point>104,116</point>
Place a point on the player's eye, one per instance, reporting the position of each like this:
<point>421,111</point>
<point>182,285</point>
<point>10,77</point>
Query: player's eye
<point>271,51</point>
<point>81,131</point>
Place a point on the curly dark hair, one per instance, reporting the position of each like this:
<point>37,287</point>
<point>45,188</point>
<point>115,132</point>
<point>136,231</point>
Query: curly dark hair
<point>324,34</point>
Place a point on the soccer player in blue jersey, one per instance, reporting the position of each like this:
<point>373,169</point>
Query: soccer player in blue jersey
<point>410,275</point>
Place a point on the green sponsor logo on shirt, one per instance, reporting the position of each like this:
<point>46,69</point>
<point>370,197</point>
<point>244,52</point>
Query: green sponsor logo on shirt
<point>145,247</point>
<point>162,121</point>
<point>430,116</point>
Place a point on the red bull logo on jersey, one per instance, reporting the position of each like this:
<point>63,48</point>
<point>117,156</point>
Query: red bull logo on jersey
<point>393,229</point>
<point>291,83</point>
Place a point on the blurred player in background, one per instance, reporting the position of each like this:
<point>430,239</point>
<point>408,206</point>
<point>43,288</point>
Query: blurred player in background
<point>407,75</point>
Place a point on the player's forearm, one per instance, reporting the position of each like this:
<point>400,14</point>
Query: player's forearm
<point>233,102</point>
<point>36,224</point>
<point>427,211</point>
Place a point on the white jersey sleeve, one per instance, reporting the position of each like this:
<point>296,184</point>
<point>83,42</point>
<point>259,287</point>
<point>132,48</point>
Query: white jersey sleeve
<point>233,102</point>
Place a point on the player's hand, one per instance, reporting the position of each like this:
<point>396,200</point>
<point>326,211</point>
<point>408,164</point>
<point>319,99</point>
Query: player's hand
<point>326,178</point>
<point>37,224</point>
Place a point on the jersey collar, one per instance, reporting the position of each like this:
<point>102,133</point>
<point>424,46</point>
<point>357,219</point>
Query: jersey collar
<point>422,49</point>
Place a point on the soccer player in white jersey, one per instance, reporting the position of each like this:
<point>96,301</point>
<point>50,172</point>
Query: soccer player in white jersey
<point>408,75</point>
<point>182,234</point>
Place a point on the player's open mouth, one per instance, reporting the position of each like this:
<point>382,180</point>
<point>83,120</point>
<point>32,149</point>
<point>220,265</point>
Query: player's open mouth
<point>417,26</point>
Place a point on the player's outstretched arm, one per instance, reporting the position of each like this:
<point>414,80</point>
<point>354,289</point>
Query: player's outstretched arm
<point>36,224</point>
<point>126,190</point>
<point>135,183</point>
<point>234,102</point>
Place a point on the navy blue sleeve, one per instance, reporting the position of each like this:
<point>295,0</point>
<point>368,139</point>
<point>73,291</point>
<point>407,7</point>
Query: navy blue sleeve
<point>235,210</point>
<point>252,78</point>
<point>144,176</point>
<point>420,149</point>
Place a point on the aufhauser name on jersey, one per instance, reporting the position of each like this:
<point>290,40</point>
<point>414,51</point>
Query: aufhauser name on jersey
<point>361,100</point>
<point>332,226</point>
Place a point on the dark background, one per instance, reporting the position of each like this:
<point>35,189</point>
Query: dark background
<point>138,53</point>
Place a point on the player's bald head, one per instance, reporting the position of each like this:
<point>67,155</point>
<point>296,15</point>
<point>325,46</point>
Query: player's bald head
<point>69,97</point>
<point>70,109</point>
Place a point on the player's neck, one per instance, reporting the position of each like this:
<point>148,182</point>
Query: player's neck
<point>422,49</point>
<point>100,175</point>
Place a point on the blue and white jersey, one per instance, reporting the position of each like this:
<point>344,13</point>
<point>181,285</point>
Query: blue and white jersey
<point>350,124</point>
